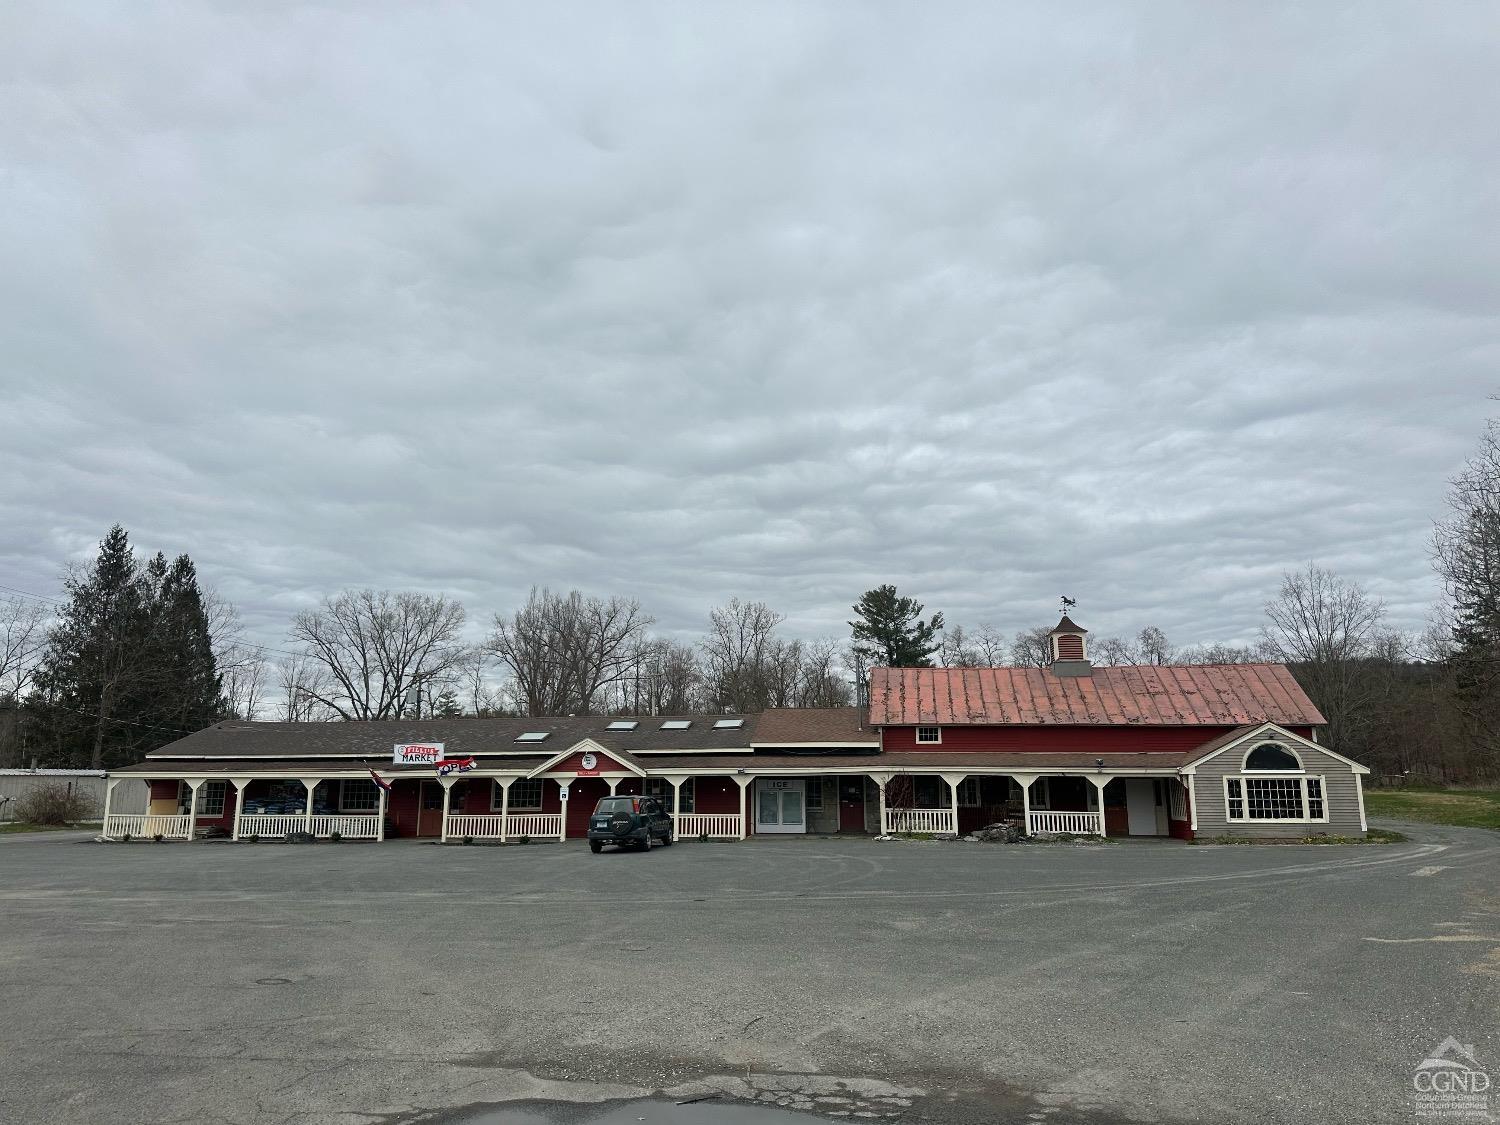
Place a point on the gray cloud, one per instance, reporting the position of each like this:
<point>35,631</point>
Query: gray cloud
<point>1144,305</point>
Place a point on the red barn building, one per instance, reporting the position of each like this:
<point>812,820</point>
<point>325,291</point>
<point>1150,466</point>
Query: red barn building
<point>1065,749</point>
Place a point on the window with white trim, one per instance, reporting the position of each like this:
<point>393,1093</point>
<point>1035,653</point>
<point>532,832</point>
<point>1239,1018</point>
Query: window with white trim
<point>358,794</point>
<point>661,789</point>
<point>525,795</point>
<point>1248,799</point>
<point>1271,757</point>
<point>813,794</point>
<point>968,793</point>
<point>930,736</point>
<point>211,798</point>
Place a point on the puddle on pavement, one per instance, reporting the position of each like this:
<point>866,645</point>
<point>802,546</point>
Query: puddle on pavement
<point>650,1112</point>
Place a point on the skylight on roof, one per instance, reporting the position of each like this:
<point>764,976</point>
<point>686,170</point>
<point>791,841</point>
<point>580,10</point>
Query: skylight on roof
<point>677,724</point>
<point>728,724</point>
<point>623,724</point>
<point>533,736</point>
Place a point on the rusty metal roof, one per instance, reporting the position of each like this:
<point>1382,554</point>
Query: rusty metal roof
<point>1131,695</point>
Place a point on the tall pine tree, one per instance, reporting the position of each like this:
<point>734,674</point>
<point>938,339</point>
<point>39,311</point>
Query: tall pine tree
<point>890,631</point>
<point>129,665</point>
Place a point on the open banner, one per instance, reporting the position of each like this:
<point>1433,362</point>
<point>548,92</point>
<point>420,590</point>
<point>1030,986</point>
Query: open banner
<point>446,766</point>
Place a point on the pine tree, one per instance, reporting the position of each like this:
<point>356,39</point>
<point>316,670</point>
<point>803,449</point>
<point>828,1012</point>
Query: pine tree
<point>130,665</point>
<point>890,631</point>
<point>93,672</point>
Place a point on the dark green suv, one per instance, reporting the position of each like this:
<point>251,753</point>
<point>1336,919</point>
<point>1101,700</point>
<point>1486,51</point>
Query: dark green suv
<point>629,822</point>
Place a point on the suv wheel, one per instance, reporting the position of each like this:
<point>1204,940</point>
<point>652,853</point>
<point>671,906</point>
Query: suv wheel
<point>666,841</point>
<point>645,842</point>
<point>595,846</point>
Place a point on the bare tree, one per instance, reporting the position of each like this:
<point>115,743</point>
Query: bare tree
<point>1467,554</point>
<point>246,681</point>
<point>1032,648</point>
<point>304,682</point>
<point>1323,627</point>
<point>1153,646</point>
<point>736,653</point>
<point>991,645</point>
<point>822,682</point>
<point>1216,654</point>
<point>23,636</point>
<point>958,650</point>
<point>378,646</point>
<point>1113,651</point>
<point>563,651</point>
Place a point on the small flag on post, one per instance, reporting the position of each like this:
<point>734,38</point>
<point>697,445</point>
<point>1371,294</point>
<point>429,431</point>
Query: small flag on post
<point>380,781</point>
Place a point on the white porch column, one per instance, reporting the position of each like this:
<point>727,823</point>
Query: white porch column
<point>612,782</point>
<point>504,806</point>
<point>676,780</point>
<point>447,784</point>
<point>881,780</point>
<point>109,792</point>
<point>1099,784</point>
<point>1024,780</point>
<point>309,784</point>
<point>742,780</point>
<point>562,809</point>
<point>239,784</point>
<point>1359,791</point>
<point>380,806</point>
<point>954,780</point>
<point>194,784</point>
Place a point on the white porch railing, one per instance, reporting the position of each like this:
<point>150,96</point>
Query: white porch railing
<point>479,827</point>
<point>1073,823</point>
<point>356,827</point>
<point>147,825</point>
<point>717,826</point>
<point>938,822</point>
<point>272,825</point>
<point>534,824</point>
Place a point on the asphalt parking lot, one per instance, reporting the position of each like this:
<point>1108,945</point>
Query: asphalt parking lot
<point>912,981</point>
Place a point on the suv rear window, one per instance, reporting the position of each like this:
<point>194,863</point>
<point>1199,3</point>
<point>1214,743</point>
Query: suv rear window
<point>614,805</point>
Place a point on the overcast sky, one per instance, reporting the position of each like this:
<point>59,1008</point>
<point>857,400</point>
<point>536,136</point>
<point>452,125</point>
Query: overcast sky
<point>1141,304</point>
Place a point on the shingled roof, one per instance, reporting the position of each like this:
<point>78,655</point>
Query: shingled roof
<point>460,737</point>
<point>1132,695</point>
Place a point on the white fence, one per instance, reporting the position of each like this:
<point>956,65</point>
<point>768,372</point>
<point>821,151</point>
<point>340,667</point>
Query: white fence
<point>717,826</point>
<point>534,824</point>
<point>146,826</point>
<point>349,827</point>
<point>271,825</point>
<point>479,827</point>
<point>938,822</point>
<point>1073,823</point>
<point>275,826</point>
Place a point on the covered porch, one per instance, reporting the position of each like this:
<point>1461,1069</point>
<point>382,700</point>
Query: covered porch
<point>1099,803</point>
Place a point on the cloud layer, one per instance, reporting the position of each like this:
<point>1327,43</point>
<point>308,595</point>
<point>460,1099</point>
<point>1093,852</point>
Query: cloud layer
<point>1143,305</point>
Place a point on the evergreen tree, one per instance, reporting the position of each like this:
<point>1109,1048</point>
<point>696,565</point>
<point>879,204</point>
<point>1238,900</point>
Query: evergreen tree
<point>129,665</point>
<point>889,630</point>
<point>93,671</point>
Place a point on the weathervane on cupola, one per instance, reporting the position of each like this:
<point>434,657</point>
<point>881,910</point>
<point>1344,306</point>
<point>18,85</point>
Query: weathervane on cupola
<point>1068,604</point>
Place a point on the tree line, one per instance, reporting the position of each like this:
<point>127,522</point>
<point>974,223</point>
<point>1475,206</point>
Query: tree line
<point>139,654</point>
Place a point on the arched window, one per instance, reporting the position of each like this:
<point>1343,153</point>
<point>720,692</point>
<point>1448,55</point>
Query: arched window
<point>1271,756</point>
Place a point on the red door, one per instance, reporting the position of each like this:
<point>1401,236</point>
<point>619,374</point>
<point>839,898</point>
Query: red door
<point>430,810</point>
<point>851,804</point>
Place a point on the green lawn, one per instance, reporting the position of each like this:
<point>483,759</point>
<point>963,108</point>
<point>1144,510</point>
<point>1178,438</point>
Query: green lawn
<point>1468,808</point>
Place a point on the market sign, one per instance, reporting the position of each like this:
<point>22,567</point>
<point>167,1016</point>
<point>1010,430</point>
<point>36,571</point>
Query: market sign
<point>445,766</point>
<point>418,753</point>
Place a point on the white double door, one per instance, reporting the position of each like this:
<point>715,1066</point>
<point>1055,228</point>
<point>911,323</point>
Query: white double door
<point>780,805</point>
